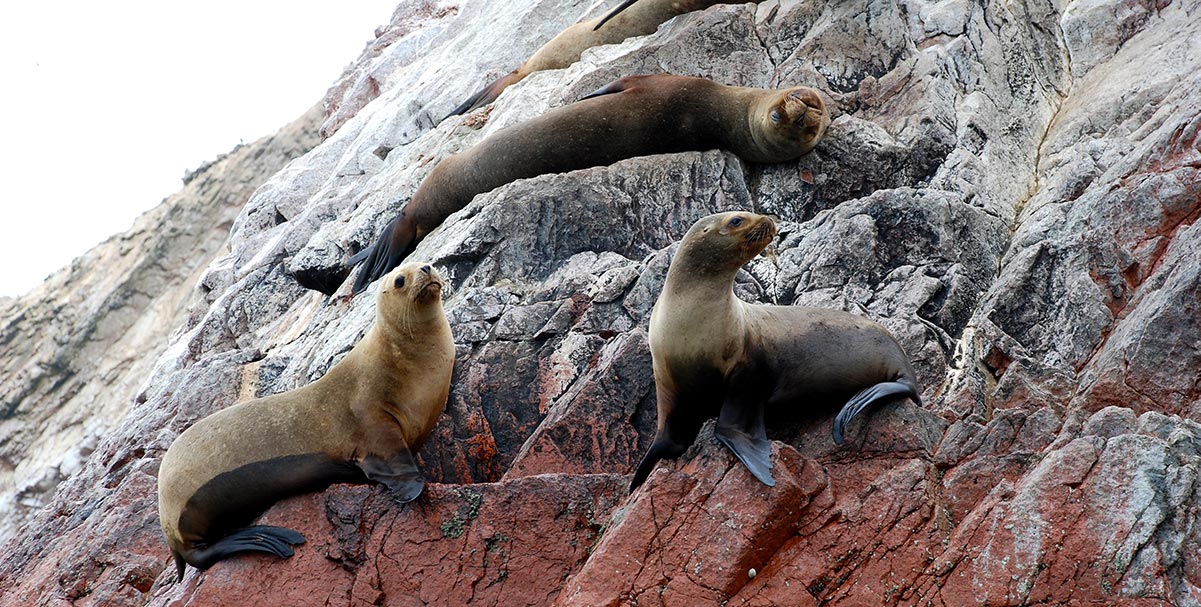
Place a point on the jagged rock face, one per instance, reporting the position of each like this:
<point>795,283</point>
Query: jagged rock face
<point>74,350</point>
<point>1011,189</point>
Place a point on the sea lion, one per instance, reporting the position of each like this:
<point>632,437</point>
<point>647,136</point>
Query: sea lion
<point>634,116</point>
<point>715,355</point>
<point>565,49</point>
<point>361,422</point>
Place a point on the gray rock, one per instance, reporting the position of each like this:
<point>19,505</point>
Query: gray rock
<point>1010,188</point>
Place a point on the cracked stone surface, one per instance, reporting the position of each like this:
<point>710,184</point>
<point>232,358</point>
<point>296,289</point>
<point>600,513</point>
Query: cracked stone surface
<point>1011,188</point>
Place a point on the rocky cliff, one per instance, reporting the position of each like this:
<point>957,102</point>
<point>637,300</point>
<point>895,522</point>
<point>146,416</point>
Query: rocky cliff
<point>1011,187</point>
<point>74,350</point>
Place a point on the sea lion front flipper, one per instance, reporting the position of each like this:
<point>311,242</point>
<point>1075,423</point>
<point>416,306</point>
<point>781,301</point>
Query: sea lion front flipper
<point>740,427</point>
<point>867,397</point>
<point>486,95</point>
<point>613,13</point>
<point>397,472</point>
<point>394,244</point>
<point>616,86</point>
<point>663,448</point>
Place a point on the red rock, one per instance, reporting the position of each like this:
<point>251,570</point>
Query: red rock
<point>484,544</point>
<point>691,534</point>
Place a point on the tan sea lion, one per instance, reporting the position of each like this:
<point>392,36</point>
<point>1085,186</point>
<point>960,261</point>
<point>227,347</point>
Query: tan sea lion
<point>564,49</point>
<point>634,116</point>
<point>361,422</point>
<point>715,355</point>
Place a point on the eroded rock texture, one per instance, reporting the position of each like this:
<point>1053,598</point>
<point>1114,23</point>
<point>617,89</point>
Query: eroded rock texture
<point>1011,187</point>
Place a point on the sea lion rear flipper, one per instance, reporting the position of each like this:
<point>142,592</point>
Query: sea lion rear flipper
<point>740,427</point>
<point>256,538</point>
<point>869,396</point>
<point>398,473</point>
<point>613,13</point>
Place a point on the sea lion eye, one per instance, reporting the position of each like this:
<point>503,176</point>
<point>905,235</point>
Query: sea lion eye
<point>775,115</point>
<point>735,222</point>
<point>400,282</point>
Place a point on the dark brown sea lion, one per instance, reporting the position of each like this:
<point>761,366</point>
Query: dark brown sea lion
<point>717,356</point>
<point>565,49</point>
<point>635,116</point>
<point>362,422</point>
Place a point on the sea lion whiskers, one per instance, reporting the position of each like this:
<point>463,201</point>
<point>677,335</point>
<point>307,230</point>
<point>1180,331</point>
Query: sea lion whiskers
<point>762,234</point>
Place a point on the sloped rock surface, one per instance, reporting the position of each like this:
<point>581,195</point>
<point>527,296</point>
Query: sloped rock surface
<point>1011,188</point>
<point>74,350</point>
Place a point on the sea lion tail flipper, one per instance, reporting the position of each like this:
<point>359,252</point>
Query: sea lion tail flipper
<point>486,95</point>
<point>256,538</point>
<point>613,13</point>
<point>869,396</point>
<point>740,427</point>
<point>398,473</point>
<point>394,244</point>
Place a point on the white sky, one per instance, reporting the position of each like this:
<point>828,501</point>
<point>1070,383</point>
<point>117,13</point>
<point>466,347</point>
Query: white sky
<point>105,104</point>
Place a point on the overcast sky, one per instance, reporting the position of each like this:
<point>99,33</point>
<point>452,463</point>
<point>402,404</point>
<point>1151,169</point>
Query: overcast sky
<point>106,104</point>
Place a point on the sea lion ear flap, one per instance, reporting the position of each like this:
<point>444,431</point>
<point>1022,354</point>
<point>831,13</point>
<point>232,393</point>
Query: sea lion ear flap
<point>398,472</point>
<point>394,244</point>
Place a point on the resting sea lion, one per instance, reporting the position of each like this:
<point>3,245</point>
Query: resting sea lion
<point>565,49</point>
<point>362,422</point>
<point>715,355</point>
<point>634,116</point>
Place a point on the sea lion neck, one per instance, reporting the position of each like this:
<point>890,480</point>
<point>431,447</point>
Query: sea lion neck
<point>691,275</point>
<point>407,333</point>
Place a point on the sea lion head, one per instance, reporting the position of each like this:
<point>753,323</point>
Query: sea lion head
<point>409,292</point>
<point>794,121</point>
<point>722,243</point>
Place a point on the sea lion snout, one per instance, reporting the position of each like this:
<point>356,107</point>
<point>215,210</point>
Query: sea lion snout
<point>429,285</point>
<point>809,97</point>
<point>763,232</point>
<point>760,232</point>
<point>805,110</point>
<point>417,281</point>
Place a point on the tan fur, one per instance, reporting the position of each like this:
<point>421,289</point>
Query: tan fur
<point>639,19</point>
<point>386,394</point>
